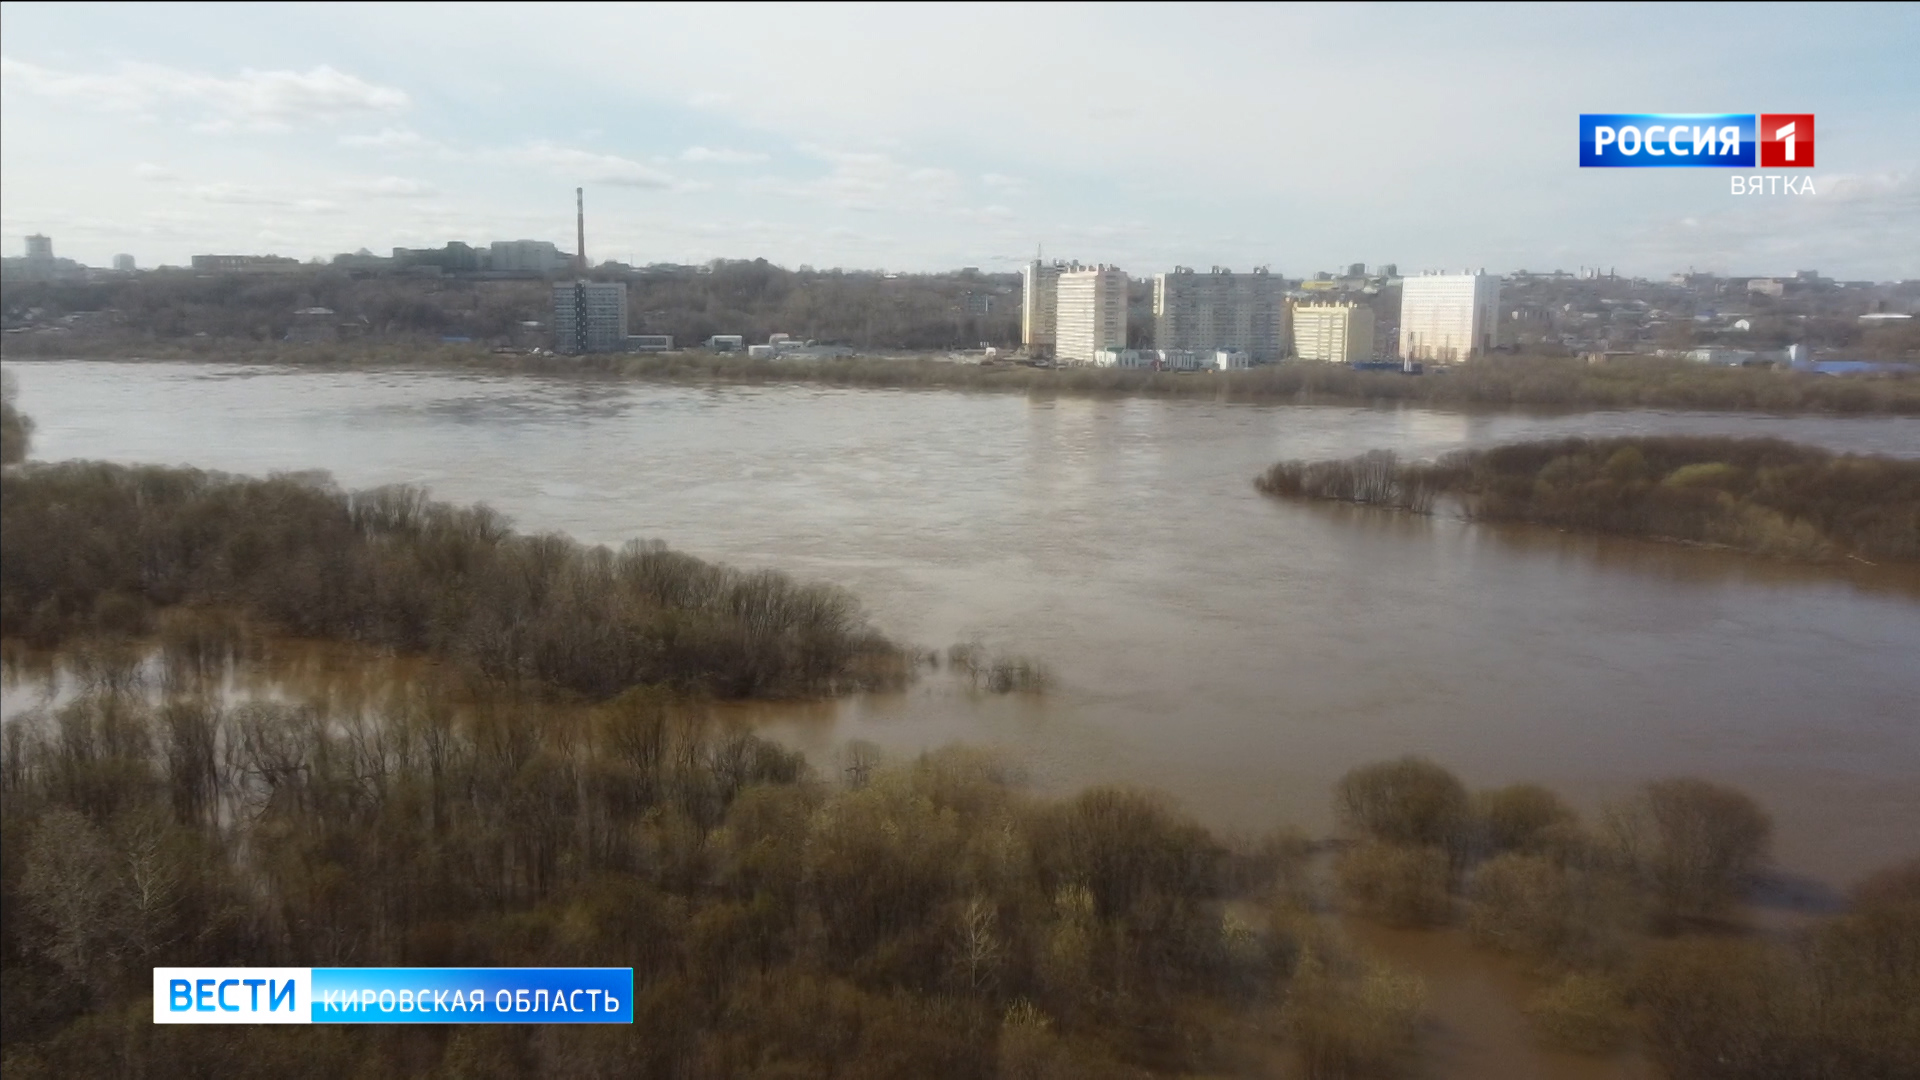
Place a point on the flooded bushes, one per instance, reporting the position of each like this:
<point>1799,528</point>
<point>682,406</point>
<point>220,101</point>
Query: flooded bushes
<point>94,548</point>
<point>930,920</point>
<point>16,428</point>
<point>1760,495</point>
<point>1352,1019</point>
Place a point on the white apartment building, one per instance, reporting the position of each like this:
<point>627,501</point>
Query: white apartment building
<point>590,316</point>
<point>1221,310</point>
<point>1038,293</point>
<point>1339,333</point>
<point>1090,313</point>
<point>1447,318</point>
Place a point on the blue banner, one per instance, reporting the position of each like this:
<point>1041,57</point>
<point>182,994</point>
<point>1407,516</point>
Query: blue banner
<point>1667,140</point>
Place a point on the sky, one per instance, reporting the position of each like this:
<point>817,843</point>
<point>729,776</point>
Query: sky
<point>920,137</point>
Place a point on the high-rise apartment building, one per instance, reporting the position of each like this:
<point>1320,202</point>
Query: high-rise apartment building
<point>1221,310</point>
<point>590,316</point>
<point>1038,293</point>
<point>1448,318</point>
<point>1090,313</point>
<point>40,248</point>
<point>123,263</point>
<point>1340,333</point>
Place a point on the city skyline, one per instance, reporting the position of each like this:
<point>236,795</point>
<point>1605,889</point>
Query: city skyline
<point>933,139</point>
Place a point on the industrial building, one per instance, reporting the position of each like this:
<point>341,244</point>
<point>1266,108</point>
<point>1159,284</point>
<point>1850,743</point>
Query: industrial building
<point>590,316</point>
<point>1038,308</point>
<point>527,257</point>
<point>1338,332</point>
<point>1448,318</point>
<point>1221,310</point>
<point>1090,313</point>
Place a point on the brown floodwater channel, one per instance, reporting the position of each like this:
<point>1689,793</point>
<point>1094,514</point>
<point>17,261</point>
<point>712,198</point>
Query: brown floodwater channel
<point>1237,652</point>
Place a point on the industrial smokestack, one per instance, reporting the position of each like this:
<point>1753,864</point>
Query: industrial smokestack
<point>580,217</point>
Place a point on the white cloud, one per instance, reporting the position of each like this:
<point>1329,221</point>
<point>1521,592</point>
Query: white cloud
<point>256,100</point>
<point>588,167</point>
<point>717,156</point>
<point>148,171</point>
<point>389,187</point>
<point>386,137</point>
<point>1004,183</point>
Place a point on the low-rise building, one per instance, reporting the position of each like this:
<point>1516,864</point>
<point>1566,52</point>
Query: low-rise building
<point>527,257</point>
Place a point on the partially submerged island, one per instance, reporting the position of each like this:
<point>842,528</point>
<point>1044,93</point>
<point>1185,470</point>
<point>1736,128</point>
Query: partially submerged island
<point>1764,496</point>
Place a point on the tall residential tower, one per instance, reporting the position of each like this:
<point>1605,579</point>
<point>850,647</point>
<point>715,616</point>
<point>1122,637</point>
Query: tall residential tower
<point>1090,313</point>
<point>1447,318</point>
<point>1038,295</point>
<point>1221,310</point>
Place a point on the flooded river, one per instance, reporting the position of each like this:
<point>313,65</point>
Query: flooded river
<point>1235,651</point>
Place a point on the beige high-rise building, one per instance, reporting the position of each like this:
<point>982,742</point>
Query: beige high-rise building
<point>1039,282</point>
<point>1221,310</point>
<point>1090,313</point>
<point>1447,318</point>
<point>1339,333</point>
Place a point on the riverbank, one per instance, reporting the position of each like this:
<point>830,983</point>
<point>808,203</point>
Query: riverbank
<point>1761,496</point>
<point>1498,382</point>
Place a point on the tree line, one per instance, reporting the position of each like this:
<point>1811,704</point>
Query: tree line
<point>752,297</point>
<point>92,548</point>
<point>1761,495</point>
<point>926,917</point>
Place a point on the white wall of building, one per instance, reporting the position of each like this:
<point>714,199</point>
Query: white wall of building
<point>1448,318</point>
<point>1090,314</point>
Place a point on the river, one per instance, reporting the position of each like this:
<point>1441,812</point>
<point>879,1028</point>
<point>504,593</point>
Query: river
<point>1237,652</point>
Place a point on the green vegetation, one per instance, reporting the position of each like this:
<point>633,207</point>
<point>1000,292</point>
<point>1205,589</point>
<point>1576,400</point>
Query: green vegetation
<point>1758,495</point>
<point>753,297</point>
<point>95,548</point>
<point>16,428</point>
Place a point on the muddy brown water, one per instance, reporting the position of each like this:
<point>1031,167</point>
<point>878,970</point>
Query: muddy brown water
<point>1237,652</point>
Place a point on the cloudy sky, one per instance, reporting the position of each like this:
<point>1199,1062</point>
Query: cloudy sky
<point>920,137</point>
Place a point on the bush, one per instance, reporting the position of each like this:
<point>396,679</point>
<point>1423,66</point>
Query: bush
<point>1587,1014</point>
<point>1396,885</point>
<point>1409,801</point>
<point>1697,844</point>
<point>1353,1019</point>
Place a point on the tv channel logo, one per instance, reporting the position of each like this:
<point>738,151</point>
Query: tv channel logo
<point>1696,140</point>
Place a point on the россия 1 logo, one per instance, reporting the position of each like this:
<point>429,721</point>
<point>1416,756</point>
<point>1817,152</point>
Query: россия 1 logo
<point>1696,140</point>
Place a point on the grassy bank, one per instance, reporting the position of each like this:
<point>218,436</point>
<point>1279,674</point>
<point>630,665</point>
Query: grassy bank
<point>1515,381</point>
<point>1758,495</point>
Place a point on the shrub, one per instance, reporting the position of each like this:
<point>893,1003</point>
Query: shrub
<point>1697,844</point>
<point>1353,1019</point>
<point>1409,801</point>
<point>1587,1014</point>
<point>1395,884</point>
